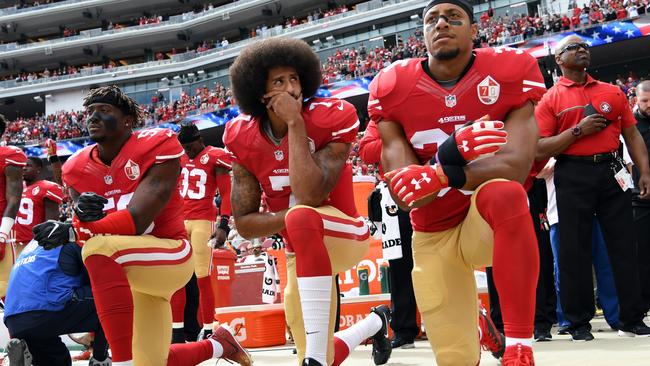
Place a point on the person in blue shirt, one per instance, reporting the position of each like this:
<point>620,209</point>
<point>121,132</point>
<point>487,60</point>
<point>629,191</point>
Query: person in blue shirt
<point>49,295</point>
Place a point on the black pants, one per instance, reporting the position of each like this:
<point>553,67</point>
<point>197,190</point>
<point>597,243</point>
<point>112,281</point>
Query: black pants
<point>545,301</point>
<point>191,326</point>
<point>584,190</point>
<point>41,330</point>
<point>641,213</point>
<point>402,297</point>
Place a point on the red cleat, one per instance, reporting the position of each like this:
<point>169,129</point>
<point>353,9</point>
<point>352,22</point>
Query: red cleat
<point>84,356</point>
<point>232,350</point>
<point>491,339</point>
<point>518,355</point>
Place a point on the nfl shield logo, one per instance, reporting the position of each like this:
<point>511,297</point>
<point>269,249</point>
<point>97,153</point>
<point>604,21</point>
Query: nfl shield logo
<point>279,155</point>
<point>132,170</point>
<point>488,91</point>
<point>450,101</point>
<point>108,179</point>
<point>605,107</point>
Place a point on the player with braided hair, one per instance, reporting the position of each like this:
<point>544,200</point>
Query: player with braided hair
<point>135,246</point>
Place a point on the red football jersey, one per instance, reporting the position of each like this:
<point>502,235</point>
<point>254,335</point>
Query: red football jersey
<point>32,207</point>
<point>498,81</point>
<point>85,172</point>
<point>9,155</point>
<point>199,183</point>
<point>326,120</point>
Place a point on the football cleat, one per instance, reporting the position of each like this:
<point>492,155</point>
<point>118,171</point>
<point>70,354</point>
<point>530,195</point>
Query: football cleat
<point>310,362</point>
<point>204,334</point>
<point>232,350</point>
<point>93,362</point>
<point>381,347</point>
<point>491,339</point>
<point>18,353</point>
<point>518,355</point>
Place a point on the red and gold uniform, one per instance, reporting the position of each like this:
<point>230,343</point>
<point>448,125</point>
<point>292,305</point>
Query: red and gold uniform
<point>345,235</point>
<point>9,155</point>
<point>451,236</point>
<point>199,184</point>
<point>32,209</point>
<point>156,263</point>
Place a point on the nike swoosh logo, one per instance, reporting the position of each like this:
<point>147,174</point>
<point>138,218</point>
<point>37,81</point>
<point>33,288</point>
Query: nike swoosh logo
<point>340,107</point>
<point>308,333</point>
<point>53,229</point>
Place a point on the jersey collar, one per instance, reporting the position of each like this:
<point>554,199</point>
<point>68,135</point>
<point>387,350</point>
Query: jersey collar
<point>569,83</point>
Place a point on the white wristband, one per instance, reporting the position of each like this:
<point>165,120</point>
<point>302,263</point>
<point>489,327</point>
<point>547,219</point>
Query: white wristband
<point>7,224</point>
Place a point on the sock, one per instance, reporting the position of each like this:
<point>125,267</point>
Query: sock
<point>304,227</point>
<point>516,258</point>
<point>514,341</point>
<point>178,308</point>
<point>341,351</point>
<point>217,348</point>
<point>114,304</point>
<point>354,335</point>
<point>206,301</point>
<point>190,353</point>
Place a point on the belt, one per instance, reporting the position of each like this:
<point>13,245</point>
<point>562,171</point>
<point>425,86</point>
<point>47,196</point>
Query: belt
<point>593,159</point>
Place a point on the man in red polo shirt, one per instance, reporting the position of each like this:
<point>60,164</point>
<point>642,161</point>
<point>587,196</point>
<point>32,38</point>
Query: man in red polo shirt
<point>580,123</point>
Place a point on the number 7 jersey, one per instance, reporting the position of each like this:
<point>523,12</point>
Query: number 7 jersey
<point>498,82</point>
<point>85,172</point>
<point>199,183</point>
<point>326,120</point>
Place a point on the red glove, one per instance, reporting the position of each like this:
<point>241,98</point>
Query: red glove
<point>416,182</point>
<point>480,139</point>
<point>471,142</point>
<point>51,147</point>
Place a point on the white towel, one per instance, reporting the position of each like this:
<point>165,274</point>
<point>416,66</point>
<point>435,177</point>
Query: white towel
<point>271,281</point>
<point>391,242</point>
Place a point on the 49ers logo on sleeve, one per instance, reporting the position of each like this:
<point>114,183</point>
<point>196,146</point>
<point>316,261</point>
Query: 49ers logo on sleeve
<point>35,191</point>
<point>605,107</point>
<point>204,159</point>
<point>488,91</point>
<point>132,170</point>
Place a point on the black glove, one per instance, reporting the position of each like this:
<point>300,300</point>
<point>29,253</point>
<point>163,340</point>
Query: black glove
<point>52,234</point>
<point>90,207</point>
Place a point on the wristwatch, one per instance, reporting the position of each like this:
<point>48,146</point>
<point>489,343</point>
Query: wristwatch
<point>576,131</point>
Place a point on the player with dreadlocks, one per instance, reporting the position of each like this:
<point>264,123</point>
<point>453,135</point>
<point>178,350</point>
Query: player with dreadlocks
<point>134,243</point>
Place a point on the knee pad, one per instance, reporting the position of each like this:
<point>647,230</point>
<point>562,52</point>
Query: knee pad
<point>501,200</point>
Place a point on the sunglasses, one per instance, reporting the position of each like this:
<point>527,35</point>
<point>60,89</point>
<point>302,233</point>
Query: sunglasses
<point>574,47</point>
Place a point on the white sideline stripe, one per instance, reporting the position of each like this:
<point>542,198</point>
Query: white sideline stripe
<point>345,228</point>
<point>355,125</point>
<point>167,157</point>
<point>151,257</point>
<point>534,83</point>
<point>15,162</point>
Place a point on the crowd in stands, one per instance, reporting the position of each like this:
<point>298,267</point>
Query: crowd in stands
<point>499,30</point>
<point>343,64</point>
<point>22,4</point>
<point>352,63</point>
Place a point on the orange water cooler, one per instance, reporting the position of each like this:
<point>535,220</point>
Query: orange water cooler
<point>223,275</point>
